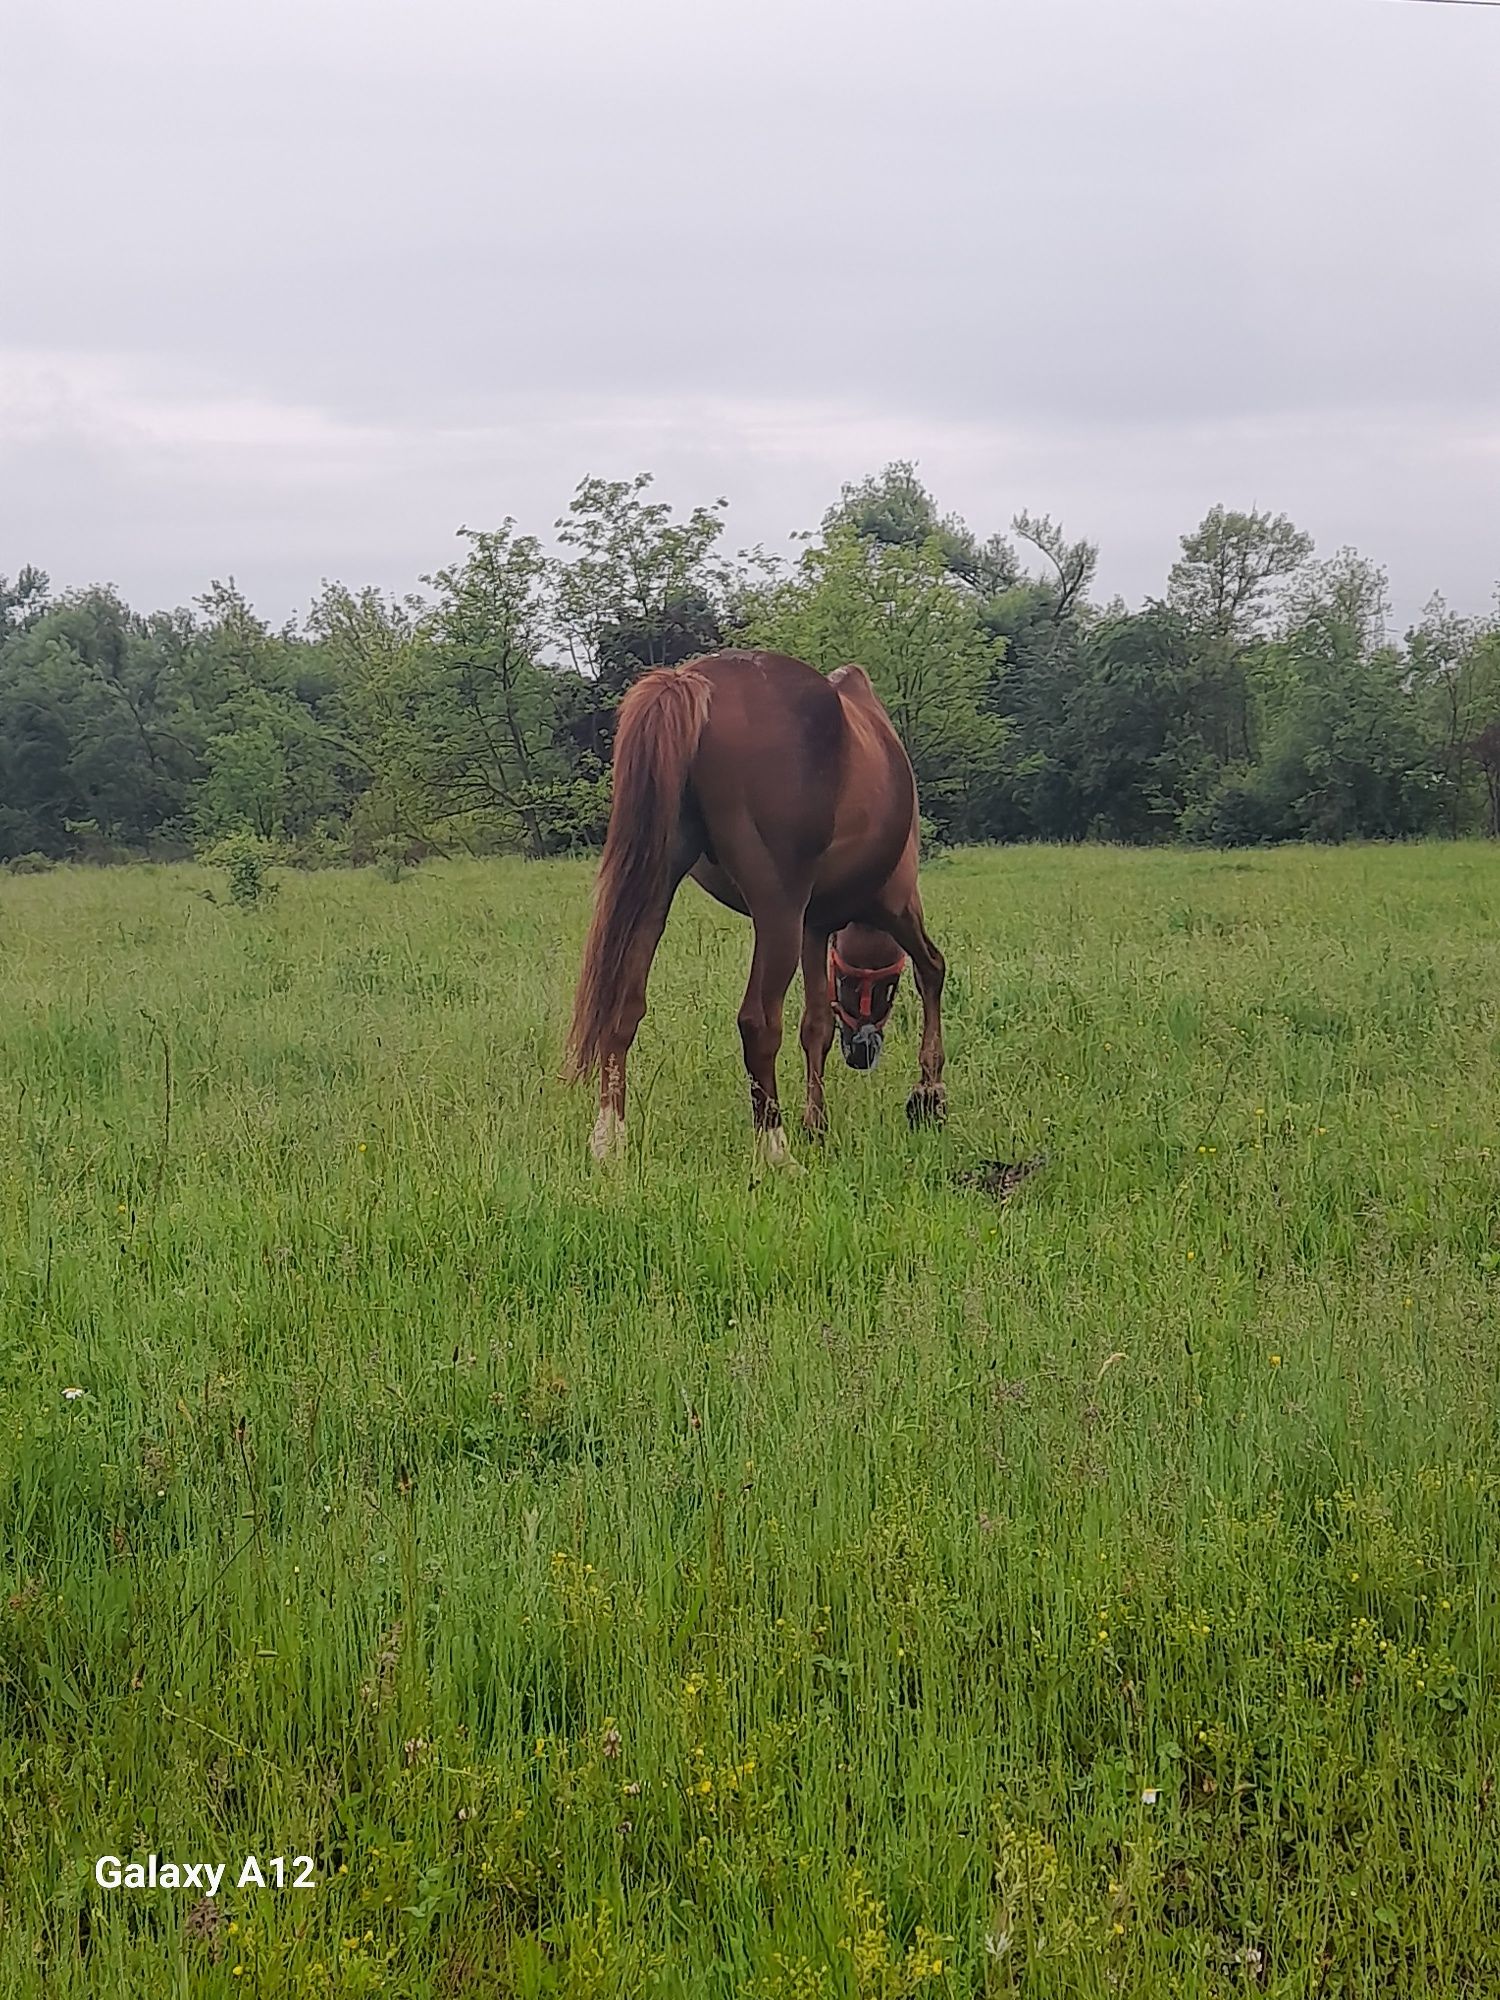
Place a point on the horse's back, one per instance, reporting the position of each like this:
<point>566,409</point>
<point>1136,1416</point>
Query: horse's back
<point>770,692</point>
<point>773,744</point>
<point>800,769</point>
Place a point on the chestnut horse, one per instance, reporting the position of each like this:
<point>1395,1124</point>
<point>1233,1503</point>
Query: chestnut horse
<point>789,797</point>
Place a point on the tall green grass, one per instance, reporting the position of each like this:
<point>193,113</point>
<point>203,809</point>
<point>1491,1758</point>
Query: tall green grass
<point>833,1586</point>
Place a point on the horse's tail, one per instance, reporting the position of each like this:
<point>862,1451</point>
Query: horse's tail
<point>661,721</point>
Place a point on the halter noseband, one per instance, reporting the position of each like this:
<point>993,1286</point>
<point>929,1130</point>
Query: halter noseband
<point>866,978</point>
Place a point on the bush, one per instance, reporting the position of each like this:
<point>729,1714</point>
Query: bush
<point>1236,813</point>
<point>323,846</point>
<point>31,864</point>
<point>394,859</point>
<point>245,859</point>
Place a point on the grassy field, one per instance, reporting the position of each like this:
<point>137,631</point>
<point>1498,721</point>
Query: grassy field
<point>842,1586</point>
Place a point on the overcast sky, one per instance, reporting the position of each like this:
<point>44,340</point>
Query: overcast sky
<point>293,288</point>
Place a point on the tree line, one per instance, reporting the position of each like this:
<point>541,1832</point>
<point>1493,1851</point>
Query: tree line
<point>1261,697</point>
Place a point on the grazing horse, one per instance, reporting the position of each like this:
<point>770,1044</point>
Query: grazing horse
<point>788,796</point>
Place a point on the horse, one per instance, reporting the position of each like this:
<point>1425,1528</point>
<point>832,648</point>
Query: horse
<point>789,797</point>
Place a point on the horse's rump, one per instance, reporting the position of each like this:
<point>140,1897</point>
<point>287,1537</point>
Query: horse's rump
<point>771,764</point>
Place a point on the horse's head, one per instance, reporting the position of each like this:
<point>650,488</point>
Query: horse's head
<point>866,968</point>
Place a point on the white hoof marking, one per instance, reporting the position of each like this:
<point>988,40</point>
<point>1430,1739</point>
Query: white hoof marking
<point>773,1150</point>
<point>607,1141</point>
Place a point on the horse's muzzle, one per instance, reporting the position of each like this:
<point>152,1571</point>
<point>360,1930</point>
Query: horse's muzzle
<point>862,1048</point>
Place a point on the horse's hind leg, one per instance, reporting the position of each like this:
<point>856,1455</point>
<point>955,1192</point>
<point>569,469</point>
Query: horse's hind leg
<point>929,1101</point>
<point>607,1141</point>
<point>778,943</point>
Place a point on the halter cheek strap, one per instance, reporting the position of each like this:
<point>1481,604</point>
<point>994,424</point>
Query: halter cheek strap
<point>865,978</point>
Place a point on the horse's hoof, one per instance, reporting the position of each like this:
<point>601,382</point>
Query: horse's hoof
<point>607,1140</point>
<point>927,1105</point>
<point>772,1150</point>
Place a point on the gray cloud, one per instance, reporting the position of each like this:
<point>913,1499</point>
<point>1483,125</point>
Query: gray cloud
<point>296,289</point>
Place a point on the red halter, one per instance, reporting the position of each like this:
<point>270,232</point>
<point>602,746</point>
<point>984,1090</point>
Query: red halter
<point>866,978</point>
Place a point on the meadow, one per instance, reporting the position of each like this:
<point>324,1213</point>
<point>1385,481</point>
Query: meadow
<point>833,1587</point>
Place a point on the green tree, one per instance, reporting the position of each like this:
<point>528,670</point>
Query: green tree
<point>380,653</point>
<point>636,589</point>
<point>637,585</point>
<point>1345,753</point>
<point>1224,581</point>
<point>1042,625</point>
<point>895,510</point>
<point>244,784</point>
<point>492,705</point>
<point>22,601</point>
<point>1072,565</point>
<point>36,783</point>
<point>1105,740</point>
<point>895,608</point>
<point>1455,670</point>
<point>1486,753</point>
<point>91,710</point>
<point>1226,587</point>
<point>1348,596</point>
<point>276,762</point>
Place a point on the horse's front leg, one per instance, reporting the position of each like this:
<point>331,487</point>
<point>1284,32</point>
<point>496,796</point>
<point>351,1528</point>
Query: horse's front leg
<point>817,1026</point>
<point>778,934</point>
<point>929,1101</point>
